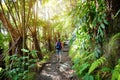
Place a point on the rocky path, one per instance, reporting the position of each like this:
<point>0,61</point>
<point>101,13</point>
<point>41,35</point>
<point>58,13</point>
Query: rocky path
<point>58,71</point>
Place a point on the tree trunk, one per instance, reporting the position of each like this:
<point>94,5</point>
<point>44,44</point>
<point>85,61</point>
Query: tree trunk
<point>49,44</point>
<point>37,46</point>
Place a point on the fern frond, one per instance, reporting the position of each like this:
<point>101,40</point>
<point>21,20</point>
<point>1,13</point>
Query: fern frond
<point>83,67</point>
<point>96,64</point>
<point>116,73</point>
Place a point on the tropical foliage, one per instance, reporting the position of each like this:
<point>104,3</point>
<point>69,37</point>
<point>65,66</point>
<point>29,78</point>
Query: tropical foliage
<point>92,44</point>
<point>30,28</point>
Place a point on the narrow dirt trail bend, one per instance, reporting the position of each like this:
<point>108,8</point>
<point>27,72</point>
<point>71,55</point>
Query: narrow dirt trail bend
<point>58,71</point>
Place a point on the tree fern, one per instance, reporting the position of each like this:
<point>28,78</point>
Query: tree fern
<point>96,64</point>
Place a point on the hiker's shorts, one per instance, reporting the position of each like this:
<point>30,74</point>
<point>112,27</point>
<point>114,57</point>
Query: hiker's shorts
<point>58,51</point>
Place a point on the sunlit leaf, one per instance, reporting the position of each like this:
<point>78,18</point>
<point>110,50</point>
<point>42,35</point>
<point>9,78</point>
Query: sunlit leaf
<point>102,25</point>
<point>24,50</point>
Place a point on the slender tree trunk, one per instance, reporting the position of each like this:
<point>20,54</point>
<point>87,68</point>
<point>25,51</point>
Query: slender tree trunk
<point>49,44</point>
<point>37,47</point>
<point>34,34</point>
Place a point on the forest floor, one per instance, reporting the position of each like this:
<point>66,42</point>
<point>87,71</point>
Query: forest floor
<point>54,70</point>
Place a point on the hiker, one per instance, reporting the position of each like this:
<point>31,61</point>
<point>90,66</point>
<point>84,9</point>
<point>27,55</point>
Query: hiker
<point>59,50</point>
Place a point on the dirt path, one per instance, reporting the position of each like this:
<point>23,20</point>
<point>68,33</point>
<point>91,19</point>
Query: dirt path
<point>58,71</point>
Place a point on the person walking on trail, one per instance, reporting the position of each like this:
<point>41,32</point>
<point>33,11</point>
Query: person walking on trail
<point>59,50</point>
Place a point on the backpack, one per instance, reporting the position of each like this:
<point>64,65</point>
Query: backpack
<point>58,46</point>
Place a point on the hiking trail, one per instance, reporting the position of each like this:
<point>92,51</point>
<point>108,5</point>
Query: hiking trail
<point>54,70</point>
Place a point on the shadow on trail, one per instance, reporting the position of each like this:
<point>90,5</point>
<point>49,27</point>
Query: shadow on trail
<point>58,71</point>
<point>44,77</point>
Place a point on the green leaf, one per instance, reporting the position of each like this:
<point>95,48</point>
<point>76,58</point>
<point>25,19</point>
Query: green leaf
<point>105,69</point>
<point>102,25</point>
<point>32,66</point>
<point>32,60</point>
<point>33,52</point>
<point>84,67</point>
<point>24,50</point>
<point>101,33</point>
<point>116,72</point>
<point>99,20</point>
<point>25,72</point>
<point>17,69</point>
<point>13,71</point>
<point>88,77</point>
<point>96,64</point>
<point>24,57</point>
<point>105,21</point>
<point>0,69</point>
<point>15,77</point>
<point>119,77</point>
<point>20,74</point>
<point>27,64</point>
<point>116,14</point>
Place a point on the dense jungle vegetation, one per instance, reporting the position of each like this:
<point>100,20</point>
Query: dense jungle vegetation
<point>30,28</point>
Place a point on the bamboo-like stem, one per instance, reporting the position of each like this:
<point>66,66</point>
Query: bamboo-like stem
<point>7,24</point>
<point>23,23</point>
<point>10,11</point>
<point>29,11</point>
<point>16,9</point>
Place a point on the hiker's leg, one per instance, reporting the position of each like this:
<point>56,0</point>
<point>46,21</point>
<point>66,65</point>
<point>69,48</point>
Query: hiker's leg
<point>57,54</point>
<point>60,58</point>
<point>60,53</point>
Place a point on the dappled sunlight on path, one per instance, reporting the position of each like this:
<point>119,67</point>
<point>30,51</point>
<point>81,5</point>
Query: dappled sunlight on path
<point>58,71</point>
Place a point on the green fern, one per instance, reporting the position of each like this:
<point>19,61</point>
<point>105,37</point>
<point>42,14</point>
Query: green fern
<point>116,73</point>
<point>88,77</point>
<point>83,67</point>
<point>96,64</point>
